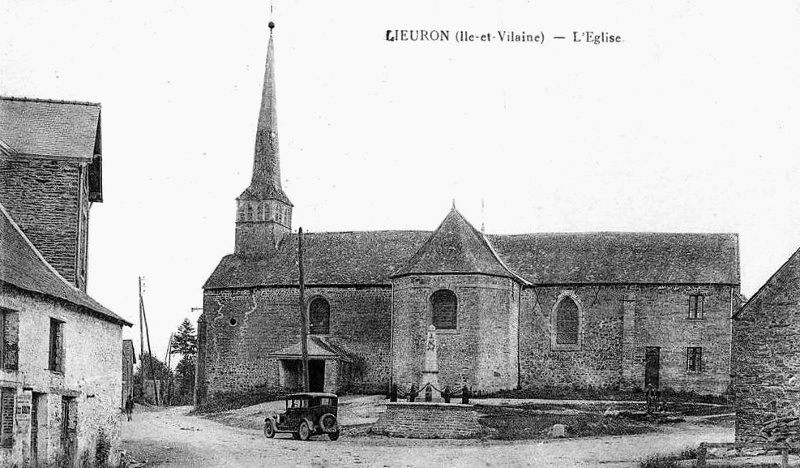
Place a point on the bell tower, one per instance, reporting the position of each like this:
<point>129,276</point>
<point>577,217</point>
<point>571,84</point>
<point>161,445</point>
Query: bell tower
<point>263,211</point>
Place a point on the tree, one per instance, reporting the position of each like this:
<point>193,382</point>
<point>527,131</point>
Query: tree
<point>184,342</point>
<point>143,386</point>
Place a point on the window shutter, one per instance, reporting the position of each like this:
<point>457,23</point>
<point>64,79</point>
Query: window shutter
<point>10,341</point>
<point>7,417</point>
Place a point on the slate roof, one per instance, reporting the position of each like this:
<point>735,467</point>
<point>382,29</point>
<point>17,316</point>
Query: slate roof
<point>357,258</point>
<point>793,263</point>
<point>317,348</point>
<point>22,266</point>
<point>371,258</point>
<point>622,257</point>
<point>455,247</point>
<point>66,129</point>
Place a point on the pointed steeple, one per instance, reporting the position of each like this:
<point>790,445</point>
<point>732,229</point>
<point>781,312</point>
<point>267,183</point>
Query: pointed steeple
<point>264,212</point>
<point>266,181</point>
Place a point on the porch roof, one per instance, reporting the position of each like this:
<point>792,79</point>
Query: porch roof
<point>318,348</point>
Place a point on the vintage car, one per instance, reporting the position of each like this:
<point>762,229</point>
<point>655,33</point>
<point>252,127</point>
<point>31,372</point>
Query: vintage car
<point>306,414</point>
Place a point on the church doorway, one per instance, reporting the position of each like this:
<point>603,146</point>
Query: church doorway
<point>652,366</point>
<point>316,375</point>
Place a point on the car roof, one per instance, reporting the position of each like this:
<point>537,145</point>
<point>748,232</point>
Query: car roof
<point>312,394</point>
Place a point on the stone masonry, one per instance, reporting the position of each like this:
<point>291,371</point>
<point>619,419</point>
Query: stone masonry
<point>766,360</point>
<point>91,378</point>
<point>267,320</point>
<point>428,421</point>
<point>48,199</point>
<point>617,324</point>
<point>482,350</point>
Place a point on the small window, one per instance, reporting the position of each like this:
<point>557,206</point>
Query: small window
<point>319,313</point>
<point>445,310</point>
<point>9,339</point>
<point>7,416</point>
<point>56,346</point>
<point>567,322</point>
<point>694,359</point>
<point>695,307</point>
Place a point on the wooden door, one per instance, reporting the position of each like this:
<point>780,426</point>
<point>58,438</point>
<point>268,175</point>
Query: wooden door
<point>316,375</point>
<point>652,366</point>
<point>35,429</point>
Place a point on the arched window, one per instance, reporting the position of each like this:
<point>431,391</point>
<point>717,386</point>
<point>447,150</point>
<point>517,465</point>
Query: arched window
<point>319,315</point>
<point>567,322</point>
<point>444,307</point>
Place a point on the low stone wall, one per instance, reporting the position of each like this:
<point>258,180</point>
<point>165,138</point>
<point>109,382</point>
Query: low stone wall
<point>428,421</point>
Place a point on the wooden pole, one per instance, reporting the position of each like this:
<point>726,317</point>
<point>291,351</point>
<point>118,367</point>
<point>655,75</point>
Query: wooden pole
<point>303,311</point>
<point>141,337</point>
<point>149,350</point>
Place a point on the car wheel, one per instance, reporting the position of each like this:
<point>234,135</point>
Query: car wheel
<point>304,431</point>
<point>333,435</point>
<point>328,423</point>
<point>269,429</point>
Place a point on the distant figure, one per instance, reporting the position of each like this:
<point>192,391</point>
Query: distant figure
<point>129,408</point>
<point>393,393</point>
<point>651,394</point>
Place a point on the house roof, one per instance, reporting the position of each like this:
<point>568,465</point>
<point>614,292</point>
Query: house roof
<point>622,257</point>
<point>22,266</point>
<point>40,127</point>
<point>372,258</point>
<point>455,247</point>
<point>792,265</point>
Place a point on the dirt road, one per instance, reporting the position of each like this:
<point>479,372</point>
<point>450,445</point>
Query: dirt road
<point>172,438</point>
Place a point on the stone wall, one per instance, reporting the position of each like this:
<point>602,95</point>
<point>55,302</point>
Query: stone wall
<point>617,323</point>
<point>91,378</point>
<point>46,200</point>
<point>483,347</point>
<point>766,360</point>
<point>428,421</point>
<point>243,326</point>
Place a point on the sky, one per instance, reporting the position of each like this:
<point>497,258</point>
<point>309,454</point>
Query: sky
<point>690,124</point>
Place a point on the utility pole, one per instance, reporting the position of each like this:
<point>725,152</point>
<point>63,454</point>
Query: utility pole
<point>143,316</point>
<point>168,362</point>
<point>303,312</point>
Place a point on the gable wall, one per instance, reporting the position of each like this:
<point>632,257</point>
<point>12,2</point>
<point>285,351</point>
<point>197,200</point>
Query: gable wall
<point>617,323</point>
<point>46,199</point>
<point>766,361</point>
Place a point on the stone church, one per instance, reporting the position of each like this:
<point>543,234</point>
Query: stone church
<point>538,310</point>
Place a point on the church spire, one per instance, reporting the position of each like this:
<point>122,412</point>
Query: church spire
<point>266,181</point>
<point>264,214</point>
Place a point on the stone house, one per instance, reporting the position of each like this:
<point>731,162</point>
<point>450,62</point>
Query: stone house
<point>603,310</point>
<point>60,379</point>
<point>766,360</point>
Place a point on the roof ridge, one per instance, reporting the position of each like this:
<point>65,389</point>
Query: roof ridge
<point>50,267</point>
<point>705,233</point>
<point>766,283</point>
<point>54,101</point>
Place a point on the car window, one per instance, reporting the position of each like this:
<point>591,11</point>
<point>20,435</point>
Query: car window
<point>326,401</point>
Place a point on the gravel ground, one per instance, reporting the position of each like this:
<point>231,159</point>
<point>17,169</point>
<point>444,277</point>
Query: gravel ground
<point>172,438</point>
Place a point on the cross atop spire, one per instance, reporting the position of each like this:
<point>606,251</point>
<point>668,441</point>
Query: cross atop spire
<point>266,181</point>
